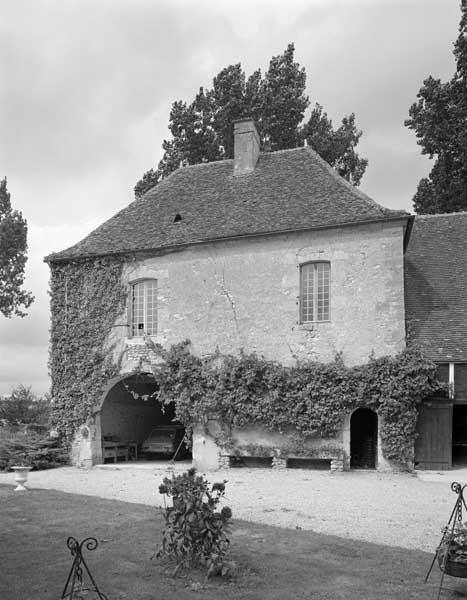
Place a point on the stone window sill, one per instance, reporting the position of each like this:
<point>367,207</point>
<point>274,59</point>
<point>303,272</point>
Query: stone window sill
<point>312,325</point>
<point>139,341</point>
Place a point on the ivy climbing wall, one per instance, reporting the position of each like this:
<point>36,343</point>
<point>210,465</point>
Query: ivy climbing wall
<point>87,297</point>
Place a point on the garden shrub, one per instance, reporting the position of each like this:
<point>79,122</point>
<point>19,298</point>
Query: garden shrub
<point>31,449</point>
<point>195,532</point>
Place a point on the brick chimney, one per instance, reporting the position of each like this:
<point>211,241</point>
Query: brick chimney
<point>246,146</point>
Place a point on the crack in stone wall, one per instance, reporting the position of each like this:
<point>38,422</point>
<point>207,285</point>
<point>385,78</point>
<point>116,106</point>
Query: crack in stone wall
<point>220,280</point>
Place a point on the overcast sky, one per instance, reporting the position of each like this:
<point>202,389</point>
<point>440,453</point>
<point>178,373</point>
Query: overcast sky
<point>87,86</point>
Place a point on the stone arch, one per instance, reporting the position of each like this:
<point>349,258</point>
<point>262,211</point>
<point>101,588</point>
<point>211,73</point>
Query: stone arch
<point>129,411</point>
<point>364,439</point>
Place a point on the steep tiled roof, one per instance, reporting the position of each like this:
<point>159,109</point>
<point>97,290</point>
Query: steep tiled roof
<point>436,285</point>
<point>288,190</point>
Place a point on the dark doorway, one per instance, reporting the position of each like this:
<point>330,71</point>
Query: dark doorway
<point>363,439</point>
<point>459,435</point>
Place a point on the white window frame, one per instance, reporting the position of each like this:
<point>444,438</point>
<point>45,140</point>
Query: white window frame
<point>143,308</point>
<point>315,313</point>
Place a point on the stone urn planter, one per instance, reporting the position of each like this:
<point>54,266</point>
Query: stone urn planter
<point>21,476</point>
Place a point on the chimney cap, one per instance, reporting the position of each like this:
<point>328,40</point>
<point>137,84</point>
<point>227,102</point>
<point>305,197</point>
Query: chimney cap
<point>244,120</point>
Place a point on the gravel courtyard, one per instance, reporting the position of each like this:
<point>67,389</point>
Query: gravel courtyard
<point>396,509</point>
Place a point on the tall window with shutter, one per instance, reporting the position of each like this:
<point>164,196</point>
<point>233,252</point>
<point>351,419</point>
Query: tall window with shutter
<point>315,280</point>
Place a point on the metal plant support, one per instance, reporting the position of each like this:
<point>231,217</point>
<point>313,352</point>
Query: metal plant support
<point>447,542</point>
<point>185,439</point>
<point>75,587</point>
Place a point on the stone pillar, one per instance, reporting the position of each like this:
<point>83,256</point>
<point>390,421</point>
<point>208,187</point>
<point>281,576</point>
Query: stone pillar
<point>224,461</point>
<point>337,465</point>
<point>206,453</point>
<point>279,463</point>
<point>82,448</point>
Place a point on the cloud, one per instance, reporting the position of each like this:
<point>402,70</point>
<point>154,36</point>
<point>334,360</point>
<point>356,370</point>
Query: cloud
<point>24,341</point>
<point>88,85</point>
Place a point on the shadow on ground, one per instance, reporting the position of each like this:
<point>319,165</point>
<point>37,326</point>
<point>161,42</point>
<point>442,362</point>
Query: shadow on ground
<point>274,563</point>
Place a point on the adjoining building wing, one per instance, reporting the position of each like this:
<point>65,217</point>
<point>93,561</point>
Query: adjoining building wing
<point>436,313</point>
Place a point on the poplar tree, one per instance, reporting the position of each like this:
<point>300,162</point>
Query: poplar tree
<point>439,119</point>
<point>13,257</point>
<point>202,131</point>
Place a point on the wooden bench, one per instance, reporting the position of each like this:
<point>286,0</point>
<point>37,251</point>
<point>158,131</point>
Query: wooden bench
<point>113,447</point>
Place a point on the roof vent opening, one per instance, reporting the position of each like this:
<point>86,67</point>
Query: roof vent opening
<point>178,218</point>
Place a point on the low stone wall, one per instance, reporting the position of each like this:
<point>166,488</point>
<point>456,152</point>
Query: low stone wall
<point>210,451</point>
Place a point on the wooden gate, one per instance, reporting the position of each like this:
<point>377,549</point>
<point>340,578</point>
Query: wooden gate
<point>433,446</point>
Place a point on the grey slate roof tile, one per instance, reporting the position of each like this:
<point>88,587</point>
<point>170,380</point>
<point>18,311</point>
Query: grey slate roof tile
<point>288,190</point>
<point>436,286</point>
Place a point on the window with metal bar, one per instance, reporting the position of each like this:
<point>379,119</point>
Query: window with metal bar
<point>315,278</point>
<point>144,308</point>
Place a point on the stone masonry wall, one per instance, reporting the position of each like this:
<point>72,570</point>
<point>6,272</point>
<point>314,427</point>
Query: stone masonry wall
<point>244,294</point>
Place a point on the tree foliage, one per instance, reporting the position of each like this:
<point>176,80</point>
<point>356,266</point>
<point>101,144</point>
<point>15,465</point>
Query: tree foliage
<point>13,257</point>
<point>22,407</point>
<point>336,146</point>
<point>439,119</point>
<point>202,131</point>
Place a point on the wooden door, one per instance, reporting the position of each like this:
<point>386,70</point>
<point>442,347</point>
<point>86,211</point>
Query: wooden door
<point>433,446</point>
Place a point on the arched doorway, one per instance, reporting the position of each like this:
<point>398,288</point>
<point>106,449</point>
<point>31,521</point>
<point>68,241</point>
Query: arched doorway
<point>134,424</point>
<point>363,439</point>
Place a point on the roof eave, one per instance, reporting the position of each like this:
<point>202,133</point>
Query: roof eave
<point>404,217</point>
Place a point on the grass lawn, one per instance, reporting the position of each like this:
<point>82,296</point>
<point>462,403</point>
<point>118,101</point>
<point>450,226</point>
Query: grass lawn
<point>274,563</point>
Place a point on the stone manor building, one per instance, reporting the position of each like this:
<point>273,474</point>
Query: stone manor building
<point>272,253</point>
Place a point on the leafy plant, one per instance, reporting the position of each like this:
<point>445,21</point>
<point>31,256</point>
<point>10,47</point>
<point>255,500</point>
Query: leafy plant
<point>311,399</point>
<point>195,532</point>
<point>453,545</point>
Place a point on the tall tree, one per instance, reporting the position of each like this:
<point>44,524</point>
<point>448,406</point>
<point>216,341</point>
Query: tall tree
<point>336,146</point>
<point>439,119</point>
<point>203,130</point>
<point>13,257</point>
<point>283,102</point>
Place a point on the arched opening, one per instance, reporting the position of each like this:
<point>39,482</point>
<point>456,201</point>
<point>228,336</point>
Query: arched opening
<point>363,439</point>
<point>134,425</point>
